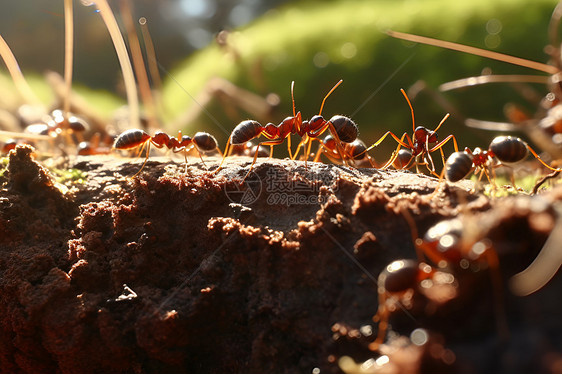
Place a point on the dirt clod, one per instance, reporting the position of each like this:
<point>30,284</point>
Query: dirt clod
<point>194,272</point>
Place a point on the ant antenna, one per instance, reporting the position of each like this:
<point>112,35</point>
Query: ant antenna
<point>476,51</point>
<point>440,123</point>
<point>328,94</point>
<point>122,55</point>
<point>13,68</point>
<point>293,97</point>
<point>411,109</point>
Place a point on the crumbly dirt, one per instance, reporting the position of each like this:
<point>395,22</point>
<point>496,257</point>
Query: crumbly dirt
<point>185,270</point>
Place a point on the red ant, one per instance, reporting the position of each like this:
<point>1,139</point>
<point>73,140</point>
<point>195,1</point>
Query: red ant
<point>419,147</point>
<point>507,149</point>
<point>456,257</point>
<point>405,283</point>
<point>354,151</point>
<point>57,123</point>
<point>93,147</point>
<point>549,117</point>
<point>9,144</point>
<point>203,142</point>
<point>247,149</point>
<point>250,129</point>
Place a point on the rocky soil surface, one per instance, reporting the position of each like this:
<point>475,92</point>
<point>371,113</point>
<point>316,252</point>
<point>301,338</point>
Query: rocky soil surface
<point>183,270</point>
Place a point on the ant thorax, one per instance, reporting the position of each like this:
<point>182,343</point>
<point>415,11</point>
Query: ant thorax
<point>480,157</point>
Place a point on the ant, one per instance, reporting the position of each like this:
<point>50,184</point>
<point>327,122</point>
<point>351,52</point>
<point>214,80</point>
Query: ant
<point>59,122</point>
<point>9,144</point>
<point>423,138</point>
<point>93,147</point>
<point>203,142</point>
<point>405,284</point>
<point>549,115</point>
<point>354,151</point>
<point>506,149</point>
<point>250,129</point>
<point>247,149</point>
<point>456,257</point>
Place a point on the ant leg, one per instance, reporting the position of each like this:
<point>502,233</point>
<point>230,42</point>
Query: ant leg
<point>308,151</point>
<point>540,159</point>
<point>226,151</point>
<point>440,146</point>
<point>441,180</point>
<point>201,157</point>
<point>270,143</point>
<point>480,174</point>
<point>303,141</point>
<point>382,318</point>
<point>395,153</point>
<point>147,145</point>
<point>319,152</point>
<point>288,147</point>
<point>400,141</point>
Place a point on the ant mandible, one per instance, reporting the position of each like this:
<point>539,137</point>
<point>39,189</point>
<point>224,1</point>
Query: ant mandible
<point>506,149</point>
<point>133,138</point>
<point>250,129</point>
<point>419,147</point>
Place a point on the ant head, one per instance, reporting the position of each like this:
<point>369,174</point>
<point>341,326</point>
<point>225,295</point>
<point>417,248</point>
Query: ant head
<point>185,141</point>
<point>316,121</point>
<point>423,135</point>
<point>160,138</point>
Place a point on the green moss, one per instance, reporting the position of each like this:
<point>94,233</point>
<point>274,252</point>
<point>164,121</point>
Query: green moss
<point>283,46</point>
<point>68,177</point>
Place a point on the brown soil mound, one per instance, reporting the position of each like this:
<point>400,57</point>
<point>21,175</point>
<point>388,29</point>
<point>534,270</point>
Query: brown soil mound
<point>193,272</point>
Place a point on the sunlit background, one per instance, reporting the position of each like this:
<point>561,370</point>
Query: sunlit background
<point>314,43</point>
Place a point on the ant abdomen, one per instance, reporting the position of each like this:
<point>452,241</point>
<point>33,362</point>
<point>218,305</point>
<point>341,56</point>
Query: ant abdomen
<point>345,127</point>
<point>443,240</point>
<point>509,149</point>
<point>357,149</point>
<point>458,166</point>
<point>204,142</point>
<point>403,159</point>
<point>244,131</point>
<point>399,276</point>
<point>130,139</point>
<point>69,121</point>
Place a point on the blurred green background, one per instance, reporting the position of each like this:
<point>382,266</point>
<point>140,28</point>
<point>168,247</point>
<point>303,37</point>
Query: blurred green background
<point>314,43</point>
